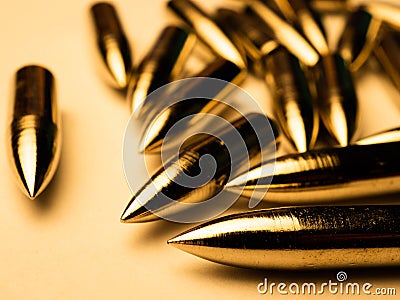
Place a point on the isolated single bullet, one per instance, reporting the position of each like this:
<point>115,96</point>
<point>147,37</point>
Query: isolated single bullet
<point>359,37</point>
<point>325,175</point>
<point>301,14</point>
<point>207,31</point>
<point>153,136</point>
<point>284,33</point>
<point>387,53</point>
<point>337,99</point>
<point>386,136</point>
<point>161,65</point>
<point>299,238</point>
<point>34,132</point>
<point>112,43</point>
<point>170,184</point>
<point>293,103</point>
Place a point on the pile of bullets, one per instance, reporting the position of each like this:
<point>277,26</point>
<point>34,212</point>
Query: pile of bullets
<point>284,43</point>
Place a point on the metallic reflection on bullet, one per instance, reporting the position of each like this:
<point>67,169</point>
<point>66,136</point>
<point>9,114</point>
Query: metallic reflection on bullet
<point>207,30</point>
<point>301,14</point>
<point>330,6</point>
<point>337,100</point>
<point>293,105</point>
<point>299,238</point>
<point>387,53</point>
<point>112,42</point>
<point>325,175</point>
<point>284,33</point>
<point>35,139</point>
<point>359,38</point>
<point>166,181</point>
<point>153,136</point>
<point>163,63</point>
<point>251,34</point>
<point>386,12</point>
<point>387,136</point>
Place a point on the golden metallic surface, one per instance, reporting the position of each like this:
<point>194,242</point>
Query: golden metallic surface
<point>330,6</point>
<point>386,12</point>
<point>112,43</point>
<point>299,238</point>
<point>284,33</point>
<point>387,53</point>
<point>325,175</point>
<point>387,136</point>
<point>34,132</point>
<point>154,134</point>
<point>293,104</point>
<point>165,183</point>
<point>301,14</point>
<point>207,31</point>
<point>337,99</point>
<point>160,66</point>
<point>359,38</point>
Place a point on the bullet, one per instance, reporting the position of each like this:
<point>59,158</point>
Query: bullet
<point>284,33</point>
<point>386,136</point>
<point>207,31</point>
<point>34,132</point>
<point>302,15</point>
<point>251,34</point>
<point>330,6</point>
<point>359,37</point>
<point>299,238</point>
<point>293,103</point>
<point>387,53</point>
<point>112,43</point>
<point>337,99</point>
<point>153,199</point>
<point>153,136</point>
<point>160,66</point>
<point>325,175</point>
<point>386,12</point>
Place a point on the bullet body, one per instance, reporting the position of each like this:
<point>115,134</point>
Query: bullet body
<point>293,104</point>
<point>284,33</point>
<point>386,12</point>
<point>360,35</point>
<point>387,53</point>
<point>156,131</point>
<point>163,64</point>
<point>330,6</point>
<point>35,139</point>
<point>112,43</point>
<point>299,238</point>
<point>386,136</point>
<point>226,148</point>
<point>207,31</point>
<point>337,99</point>
<point>325,175</point>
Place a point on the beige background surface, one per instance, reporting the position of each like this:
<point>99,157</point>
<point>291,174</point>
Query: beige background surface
<point>69,243</point>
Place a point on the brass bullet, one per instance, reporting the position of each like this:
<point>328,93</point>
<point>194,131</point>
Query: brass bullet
<point>387,53</point>
<point>34,132</point>
<point>330,6</point>
<point>153,136</point>
<point>325,175</point>
<point>207,31</point>
<point>112,43</point>
<point>302,15</point>
<point>337,99</point>
<point>284,33</point>
<point>299,238</point>
<point>160,66</point>
<point>386,136</point>
<point>359,37</point>
<point>293,103</point>
<point>152,200</point>
<point>386,12</point>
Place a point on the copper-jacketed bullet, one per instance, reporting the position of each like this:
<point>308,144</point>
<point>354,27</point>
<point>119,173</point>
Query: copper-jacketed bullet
<point>34,132</point>
<point>112,43</point>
